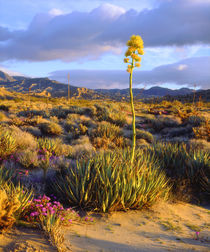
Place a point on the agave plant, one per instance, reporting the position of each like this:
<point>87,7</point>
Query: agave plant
<point>110,182</point>
<point>184,166</point>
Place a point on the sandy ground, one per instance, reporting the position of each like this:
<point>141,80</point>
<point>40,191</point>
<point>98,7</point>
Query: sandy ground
<point>24,240</point>
<point>165,227</point>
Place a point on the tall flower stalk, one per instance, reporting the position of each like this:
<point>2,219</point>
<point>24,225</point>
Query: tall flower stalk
<point>135,49</point>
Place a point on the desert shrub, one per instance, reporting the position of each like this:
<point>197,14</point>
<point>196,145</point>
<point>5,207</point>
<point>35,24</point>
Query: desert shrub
<point>23,139</point>
<point>102,112</point>
<point>54,146</point>
<point>51,128</point>
<point>12,202</point>
<point>4,108</point>
<point>91,111</point>
<point>8,207</point>
<point>202,132</point>
<point>6,175</point>
<point>54,119</point>
<point>28,158</point>
<point>187,169</point>
<point>17,121</point>
<point>59,112</point>
<point>8,143</point>
<point>2,117</point>
<point>199,144</point>
<point>176,132</point>
<point>83,129</point>
<point>35,131</point>
<point>161,122</point>
<point>106,135</point>
<point>109,182</point>
<point>32,113</point>
<point>82,147</point>
<point>117,118</point>
<point>106,130</point>
<point>196,120</point>
<point>140,134</point>
<point>49,144</point>
<point>77,119</point>
<point>105,143</point>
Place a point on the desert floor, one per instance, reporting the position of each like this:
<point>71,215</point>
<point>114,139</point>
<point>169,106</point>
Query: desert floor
<point>165,227</point>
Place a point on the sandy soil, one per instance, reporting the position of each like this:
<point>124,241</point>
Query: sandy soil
<point>165,227</point>
<point>24,240</point>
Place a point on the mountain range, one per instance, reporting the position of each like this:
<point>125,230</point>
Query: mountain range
<point>51,88</point>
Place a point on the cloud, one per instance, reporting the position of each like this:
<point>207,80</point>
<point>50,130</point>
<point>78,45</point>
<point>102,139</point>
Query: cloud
<point>88,35</point>
<point>186,72</point>
<point>10,72</point>
<point>5,34</point>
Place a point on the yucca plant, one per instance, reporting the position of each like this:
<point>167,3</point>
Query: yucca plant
<point>77,184</point>
<point>6,175</point>
<point>8,144</point>
<point>109,182</point>
<point>187,169</point>
<point>51,145</point>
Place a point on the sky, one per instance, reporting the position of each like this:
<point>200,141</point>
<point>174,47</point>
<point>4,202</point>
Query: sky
<point>87,39</point>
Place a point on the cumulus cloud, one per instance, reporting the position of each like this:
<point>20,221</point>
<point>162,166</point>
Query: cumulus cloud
<point>186,72</point>
<point>87,35</point>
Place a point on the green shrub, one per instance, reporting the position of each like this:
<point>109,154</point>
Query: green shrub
<point>106,130</point>
<point>117,118</point>
<point>109,182</point>
<point>54,146</point>
<point>32,113</point>
<point>102,112</point>
<point>140,134</point>
<point>8,144</point>
<point>51,128</point>
<point>28,158</point>
<point>187,169</point>
<point>161,122</point>
<point>13,200</point>
<point>196,120</point>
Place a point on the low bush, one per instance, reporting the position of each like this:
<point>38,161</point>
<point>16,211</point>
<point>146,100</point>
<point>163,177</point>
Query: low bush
<point>13,200</point>
<point>140,134</point>
<point>117,118</point>
<point>8,207</point>
<point>196,120</point>
<point>202,132</point>
<point>4,108</point>
<point>102,113</point>
<point>54,146</point>
<point>28,158</point>
<point>106,130</point>
<point>51,128</point>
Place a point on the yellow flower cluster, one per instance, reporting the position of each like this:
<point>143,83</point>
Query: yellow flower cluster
<point>135,48</point>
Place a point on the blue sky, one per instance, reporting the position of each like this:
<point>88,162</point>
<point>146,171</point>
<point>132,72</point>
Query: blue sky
<point>87,39</point>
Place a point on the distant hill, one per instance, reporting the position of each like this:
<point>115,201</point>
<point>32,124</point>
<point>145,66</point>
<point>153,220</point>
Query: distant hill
<point>4,77</point>
<point>47,87</point>
<point>144,93</point>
